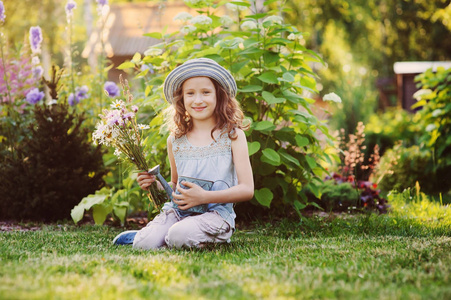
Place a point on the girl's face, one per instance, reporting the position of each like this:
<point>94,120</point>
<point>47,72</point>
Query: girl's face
<point>199,97</point>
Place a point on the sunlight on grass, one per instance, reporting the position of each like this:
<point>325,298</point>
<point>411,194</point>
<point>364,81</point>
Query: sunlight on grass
<point>366,256</point>
<point>418,206</point>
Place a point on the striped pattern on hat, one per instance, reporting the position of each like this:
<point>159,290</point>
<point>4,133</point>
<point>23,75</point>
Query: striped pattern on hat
<point>199,67</point>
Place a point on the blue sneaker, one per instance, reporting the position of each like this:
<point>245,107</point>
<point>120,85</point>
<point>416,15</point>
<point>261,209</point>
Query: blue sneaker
<point>125,238</point>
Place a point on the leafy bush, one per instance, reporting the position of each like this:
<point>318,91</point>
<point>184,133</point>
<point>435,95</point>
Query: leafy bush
<point>340,193</point>
<point>338,196</point>
<point>435,119</point>
<point>400,168</point>
<point>52,169</point>
<point>274,76</point>
<point>429,162</point>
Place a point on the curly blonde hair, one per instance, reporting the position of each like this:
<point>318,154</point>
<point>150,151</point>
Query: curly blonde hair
<point>228,113</point>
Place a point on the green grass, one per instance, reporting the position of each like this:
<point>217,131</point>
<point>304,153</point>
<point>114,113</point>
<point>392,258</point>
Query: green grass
<point>362,257</point>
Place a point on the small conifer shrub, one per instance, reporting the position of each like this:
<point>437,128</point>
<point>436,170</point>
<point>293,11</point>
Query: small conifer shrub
<point>52,169</point>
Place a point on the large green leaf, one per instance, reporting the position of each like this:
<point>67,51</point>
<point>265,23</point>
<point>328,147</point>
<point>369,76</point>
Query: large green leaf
<point>155,35</point>
<point>100,212</point>
<point>120,211</point>
<point>264,196</point>
<point>263,126</point>
<point>301,141</point>
<point>290,158</point>
<point>271,156</point>
<point>269,77</point>
<point>270,99</point>
<point>88,202</point>
<point>311,161</point>
<point>251,88</point>
<point>126,65</point>
<point>288,77</point>
<point>253,147</point>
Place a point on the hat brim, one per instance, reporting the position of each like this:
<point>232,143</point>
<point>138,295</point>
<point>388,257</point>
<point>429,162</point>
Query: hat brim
<point>201,67</point>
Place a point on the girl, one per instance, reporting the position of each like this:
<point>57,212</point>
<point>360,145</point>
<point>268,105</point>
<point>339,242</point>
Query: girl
<point>207,142</point>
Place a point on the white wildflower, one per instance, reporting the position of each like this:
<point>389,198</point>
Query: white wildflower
<point>248,25</point>
<point>201,20</point>
<point>295,37</point>
<point>257,70</point>
<point>118,153</point>
<point>118,104</point>
<point>188,29</point>
<point>35,60</point>
<point>332,97</point>
<point>274,20</point>
<point>183,16</point>
<point>226,21</point>
<point>142,126</point>
<point>230,43</point>
<point>153,52</point>
<point>436,113</point>
<point>420,93</point>
<point>163,65</point>
<point>430,127</point>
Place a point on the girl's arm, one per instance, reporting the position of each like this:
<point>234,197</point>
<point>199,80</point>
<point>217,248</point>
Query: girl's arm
<point>243,191</point>
<point>174,175</point>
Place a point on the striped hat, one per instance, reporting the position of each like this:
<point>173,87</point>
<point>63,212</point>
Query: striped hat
<point>199,67</point>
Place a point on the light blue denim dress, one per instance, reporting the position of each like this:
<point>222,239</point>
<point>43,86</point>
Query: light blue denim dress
<point>213,162</point>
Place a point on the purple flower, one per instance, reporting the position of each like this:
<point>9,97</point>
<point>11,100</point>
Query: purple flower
<point>34,96</point>
<point>111,88</point>
<point>2,12</point>
<point>37,72</point>
<point>35,39</point>
<point>102,2</point>
<point>71,99</point>
<point>70,6</point>
<point>128,115</point>
<point>80,94</point>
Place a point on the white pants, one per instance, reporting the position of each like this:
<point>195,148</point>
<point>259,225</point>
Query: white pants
<point>168,229</point>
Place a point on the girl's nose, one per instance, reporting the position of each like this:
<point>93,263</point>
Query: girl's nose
<point>198,98</point>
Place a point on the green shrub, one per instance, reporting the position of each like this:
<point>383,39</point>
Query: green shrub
<point>400,168</point>
<point>338,196</point>
<point>435,120</point>
<point>52,169</point>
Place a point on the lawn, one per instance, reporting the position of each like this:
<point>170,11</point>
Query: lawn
<point>358,257</point>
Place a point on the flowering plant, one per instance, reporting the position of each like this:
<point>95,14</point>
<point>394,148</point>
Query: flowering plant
<point>118,128</point>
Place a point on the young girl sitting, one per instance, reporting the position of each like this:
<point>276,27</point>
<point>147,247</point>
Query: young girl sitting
<point>207,142</point>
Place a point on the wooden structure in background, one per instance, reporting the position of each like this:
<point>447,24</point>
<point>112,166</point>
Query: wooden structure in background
<point>123,30</point>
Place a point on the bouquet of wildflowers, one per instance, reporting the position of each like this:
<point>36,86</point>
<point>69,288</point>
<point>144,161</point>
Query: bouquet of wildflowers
<point>118,128</point>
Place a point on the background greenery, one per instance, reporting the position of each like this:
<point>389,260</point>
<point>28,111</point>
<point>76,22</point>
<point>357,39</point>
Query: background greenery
<point>354,43</point>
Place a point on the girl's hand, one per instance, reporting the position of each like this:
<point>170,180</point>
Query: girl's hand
<point>145,180</point>
<point>193,196</point>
